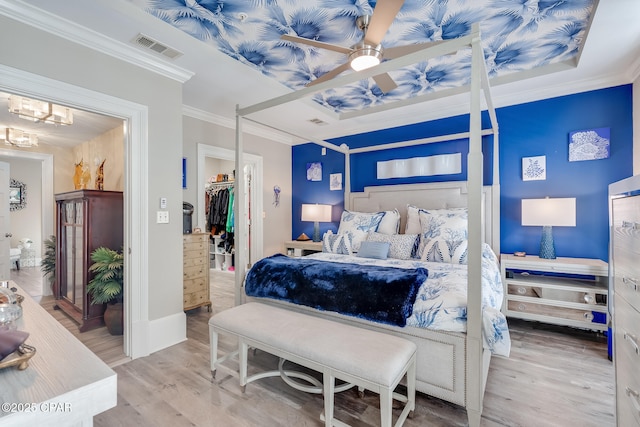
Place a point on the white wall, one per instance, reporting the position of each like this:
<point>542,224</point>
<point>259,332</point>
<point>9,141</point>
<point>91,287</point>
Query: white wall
<point>41,53</point>
<point>26,222</point>
<point>277,171</point>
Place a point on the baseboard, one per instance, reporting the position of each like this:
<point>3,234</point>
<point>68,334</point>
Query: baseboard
<point>167,331</point>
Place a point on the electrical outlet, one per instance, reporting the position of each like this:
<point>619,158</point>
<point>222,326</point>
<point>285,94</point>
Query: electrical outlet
<point>163,217</point>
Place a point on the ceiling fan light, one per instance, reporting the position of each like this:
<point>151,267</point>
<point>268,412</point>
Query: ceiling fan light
<point>364,58</point>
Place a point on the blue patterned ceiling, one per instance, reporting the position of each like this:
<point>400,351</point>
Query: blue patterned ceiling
<point>517,36</point>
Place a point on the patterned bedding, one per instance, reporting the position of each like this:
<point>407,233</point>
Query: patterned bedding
<point>441,303</point>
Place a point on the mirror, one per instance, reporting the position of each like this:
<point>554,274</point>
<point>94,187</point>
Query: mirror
<point>17,195</point>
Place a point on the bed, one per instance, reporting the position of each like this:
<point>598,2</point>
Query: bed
<point>453,365</point>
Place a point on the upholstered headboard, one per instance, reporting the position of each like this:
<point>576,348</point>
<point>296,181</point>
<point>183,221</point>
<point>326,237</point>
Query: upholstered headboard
<point>436,195</point>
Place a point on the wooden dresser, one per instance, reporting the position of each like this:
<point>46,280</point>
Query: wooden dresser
<point>195,270</point>
<point>624,197</point>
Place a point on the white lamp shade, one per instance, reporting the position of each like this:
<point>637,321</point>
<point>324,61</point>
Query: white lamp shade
<point>316,213</point>
<point>553,212</point>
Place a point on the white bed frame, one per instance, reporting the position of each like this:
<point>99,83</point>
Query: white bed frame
<point>451,366</point>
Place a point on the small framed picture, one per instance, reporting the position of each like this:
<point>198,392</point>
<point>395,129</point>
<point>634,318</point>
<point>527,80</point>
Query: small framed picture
<point>314,171</point>
<point>534,168</point>
<point>335,181</point>
<point>590,144</point>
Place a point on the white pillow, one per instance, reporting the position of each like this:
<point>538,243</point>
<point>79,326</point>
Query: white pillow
<point>358,224</point>
<point>443,250</point>
<point>413,221</point>
<point>401,246</point>
<point>336,243</point>
<point>450,224</point>
<point>390,223</point>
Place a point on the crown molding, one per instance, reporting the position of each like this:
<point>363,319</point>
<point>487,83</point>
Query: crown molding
<point>231,124</point>
<point>61,27</point>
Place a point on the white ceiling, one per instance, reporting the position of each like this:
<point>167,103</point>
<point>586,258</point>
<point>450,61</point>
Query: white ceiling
<point>610,56</point>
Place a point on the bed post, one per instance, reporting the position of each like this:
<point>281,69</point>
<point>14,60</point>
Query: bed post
<point>239,210</point>
<point>347,177</point>
<point>474,288</point>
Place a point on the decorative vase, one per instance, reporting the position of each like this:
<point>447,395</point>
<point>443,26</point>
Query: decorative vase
<point>113,318</point>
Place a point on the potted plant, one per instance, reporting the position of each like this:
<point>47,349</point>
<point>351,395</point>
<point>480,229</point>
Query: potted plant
<point>48,265</point>
<point>106,286</point>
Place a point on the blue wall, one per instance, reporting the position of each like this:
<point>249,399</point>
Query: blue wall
<point>533,129</point>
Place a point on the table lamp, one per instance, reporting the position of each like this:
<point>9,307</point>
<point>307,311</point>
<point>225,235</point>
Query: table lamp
<point>548,213</point>
<point>317,214</point>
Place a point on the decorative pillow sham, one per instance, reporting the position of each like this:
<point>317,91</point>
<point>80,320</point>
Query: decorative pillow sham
<point>450,224</point>
<point>358,224</point>
<point>401,246</point>
<point>390,223</point>
<point>337,243</point>
<point>440,249</point>
<point>375,250</point>
<point>413,221</point>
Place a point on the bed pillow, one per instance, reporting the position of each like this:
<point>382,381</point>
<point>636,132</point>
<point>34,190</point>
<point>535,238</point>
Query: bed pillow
<point>375,250</point>
<point>358,224</point>
<point>336,243</point>
<point>390,223</point>
<point>443,250</point>
<point>401,246</point>
<point>413,220</point>
<point>450,224</point>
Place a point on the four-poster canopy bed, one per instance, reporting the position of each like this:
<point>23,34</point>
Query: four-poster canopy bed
<point>451,365</point>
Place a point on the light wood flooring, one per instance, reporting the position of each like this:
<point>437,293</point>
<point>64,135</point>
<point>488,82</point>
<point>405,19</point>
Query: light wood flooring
<point>555,376</point>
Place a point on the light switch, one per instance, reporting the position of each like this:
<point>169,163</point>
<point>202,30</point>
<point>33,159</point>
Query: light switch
<point>163,217</point>
<point>163,203</point>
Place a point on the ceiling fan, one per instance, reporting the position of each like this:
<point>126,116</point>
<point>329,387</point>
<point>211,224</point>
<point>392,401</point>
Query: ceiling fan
<point>368,52</point>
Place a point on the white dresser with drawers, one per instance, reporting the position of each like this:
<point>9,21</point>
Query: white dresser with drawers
<point>624,199</point>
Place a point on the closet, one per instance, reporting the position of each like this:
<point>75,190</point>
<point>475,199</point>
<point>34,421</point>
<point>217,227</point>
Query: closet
<point>219,203</point>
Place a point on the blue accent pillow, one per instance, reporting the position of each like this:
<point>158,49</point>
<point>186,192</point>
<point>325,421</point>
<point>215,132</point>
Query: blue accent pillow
<point>375,250</point>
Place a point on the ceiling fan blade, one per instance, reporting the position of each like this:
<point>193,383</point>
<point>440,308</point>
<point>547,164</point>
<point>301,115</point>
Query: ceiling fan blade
<point>383,15</point>
<point>398,51</point>
<point>315,43</point>
<point>385,82</point>
<point>331,74</point>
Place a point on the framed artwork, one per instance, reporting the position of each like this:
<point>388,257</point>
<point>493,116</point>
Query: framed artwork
<point>184,172</point>
<point>335,181</point>
<point>314,171</point>
<point>534,168</point>
<point>17,195</point>
<point>591,144</point>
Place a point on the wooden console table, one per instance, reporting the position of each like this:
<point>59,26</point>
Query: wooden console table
<point>65,383</point>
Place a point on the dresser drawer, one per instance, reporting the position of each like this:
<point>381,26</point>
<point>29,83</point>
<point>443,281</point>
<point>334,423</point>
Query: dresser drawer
<point>577,295</point>
<point>586,316</point>
<point>195,298</point>
<point>198,246</point>
<point>194,285</point>
<point>194,272</point>
<point>626,249</point>
<point>627,342</point>
<point>193,259</point>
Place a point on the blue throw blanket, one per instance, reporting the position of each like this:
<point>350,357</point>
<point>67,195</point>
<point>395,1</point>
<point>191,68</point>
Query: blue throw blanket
<point>380,294</point>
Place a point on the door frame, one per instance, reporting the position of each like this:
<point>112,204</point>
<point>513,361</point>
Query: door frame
<point>135,116</point>
<point>257,203</point>
<point>47,215</point>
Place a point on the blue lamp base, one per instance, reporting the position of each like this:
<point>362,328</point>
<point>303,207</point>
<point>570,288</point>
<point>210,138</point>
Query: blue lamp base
<point>316,231</point>
<point>547,249</point>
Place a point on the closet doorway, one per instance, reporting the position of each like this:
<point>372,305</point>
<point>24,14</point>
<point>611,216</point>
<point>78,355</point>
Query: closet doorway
<point>213,161</point>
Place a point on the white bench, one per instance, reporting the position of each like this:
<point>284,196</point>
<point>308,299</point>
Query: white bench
<point>368,359</point>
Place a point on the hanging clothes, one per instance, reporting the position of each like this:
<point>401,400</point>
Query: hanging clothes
<point>229,224</point>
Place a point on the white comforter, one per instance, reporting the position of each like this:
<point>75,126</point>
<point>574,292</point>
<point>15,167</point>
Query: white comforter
<point>441,303</point>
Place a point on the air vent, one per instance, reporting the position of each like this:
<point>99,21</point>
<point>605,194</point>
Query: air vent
<point>151,44</point>
<point>318,122</point>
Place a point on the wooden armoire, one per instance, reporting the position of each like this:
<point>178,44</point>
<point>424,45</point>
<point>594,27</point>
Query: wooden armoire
<point>86,220</point>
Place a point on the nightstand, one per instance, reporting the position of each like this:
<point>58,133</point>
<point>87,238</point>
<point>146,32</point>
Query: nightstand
<point>301,248</point>
<point>563,291</point>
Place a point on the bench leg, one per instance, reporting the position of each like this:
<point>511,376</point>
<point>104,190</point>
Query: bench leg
<point>329,390</point>
<point>411,387</point>
<point>244,350</point>
<point>213,340</point>
<point>386,406</point>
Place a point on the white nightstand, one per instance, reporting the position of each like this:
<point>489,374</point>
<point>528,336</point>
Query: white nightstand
<point>562,291</point>
<point>297,248</point>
